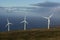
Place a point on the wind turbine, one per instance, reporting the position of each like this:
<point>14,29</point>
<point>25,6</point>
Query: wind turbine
<point>8,25</point>
<point>48,18</point>
<point>25,23</point>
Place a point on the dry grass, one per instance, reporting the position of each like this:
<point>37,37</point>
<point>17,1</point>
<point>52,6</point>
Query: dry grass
<point>38,34</point>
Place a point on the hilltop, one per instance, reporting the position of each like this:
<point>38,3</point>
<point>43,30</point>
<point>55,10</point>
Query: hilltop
<point>34,34</point>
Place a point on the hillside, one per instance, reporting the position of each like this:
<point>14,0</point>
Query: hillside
<point>35,34</point>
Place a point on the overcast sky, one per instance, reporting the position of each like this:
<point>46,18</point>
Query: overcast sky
<point>22,3</point>
<point>34,5</point>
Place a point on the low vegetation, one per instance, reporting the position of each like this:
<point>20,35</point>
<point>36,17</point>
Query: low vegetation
<point>40,34</point>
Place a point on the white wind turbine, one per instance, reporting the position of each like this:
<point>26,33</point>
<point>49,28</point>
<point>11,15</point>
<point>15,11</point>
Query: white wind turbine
<point>48,18</point>
<point>25,23</point>
<point>8,25</point>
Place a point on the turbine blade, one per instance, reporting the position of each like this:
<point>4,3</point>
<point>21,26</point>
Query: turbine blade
<point>26,22</point>
<point>51,15</point>
<point>10,23</point>
<point>25,18</point>
<point>22,22</point>
<point>45,17</point>
<point>7,20</point>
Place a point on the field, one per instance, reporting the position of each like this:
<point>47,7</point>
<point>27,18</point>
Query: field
<point>34,34</point>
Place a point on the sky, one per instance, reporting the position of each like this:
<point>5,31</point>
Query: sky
<point>14,9</point>
<point>22,3</point>
<point>34,5</point>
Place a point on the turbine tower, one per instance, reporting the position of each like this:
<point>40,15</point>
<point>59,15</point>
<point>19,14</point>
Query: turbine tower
<point>8,25</point>
<point>48,18</point>
<point>25,23</point>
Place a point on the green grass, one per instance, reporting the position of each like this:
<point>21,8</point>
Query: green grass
<point>35,34</point>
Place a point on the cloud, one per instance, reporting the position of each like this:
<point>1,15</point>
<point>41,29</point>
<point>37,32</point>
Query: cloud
<point>44,11</point>
<point>47,4</point>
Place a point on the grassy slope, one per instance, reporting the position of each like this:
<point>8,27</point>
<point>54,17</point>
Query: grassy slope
<point>42,34</point>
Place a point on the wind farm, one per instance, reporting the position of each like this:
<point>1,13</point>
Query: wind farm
<point>49,33</point>
<point>29,20</point>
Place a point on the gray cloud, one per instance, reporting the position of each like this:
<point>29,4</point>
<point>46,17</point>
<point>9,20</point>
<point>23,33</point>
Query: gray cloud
<point>45,11</point>
<point>47,4</point>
